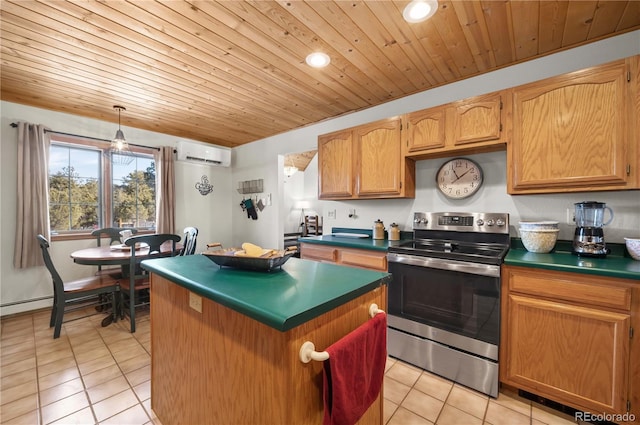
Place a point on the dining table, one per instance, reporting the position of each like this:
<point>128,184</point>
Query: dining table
<point>120,254</point>
<point>116,254</point>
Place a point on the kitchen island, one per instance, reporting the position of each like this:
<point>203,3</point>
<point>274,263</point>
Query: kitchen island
<point>225,342</point>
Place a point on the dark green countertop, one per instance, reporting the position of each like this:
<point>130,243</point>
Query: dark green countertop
<point>358,243</point>
<point>616,264</point>
<point>282,299</point>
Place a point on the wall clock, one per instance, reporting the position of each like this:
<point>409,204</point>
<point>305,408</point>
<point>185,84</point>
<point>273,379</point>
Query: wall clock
<point>459,178</point>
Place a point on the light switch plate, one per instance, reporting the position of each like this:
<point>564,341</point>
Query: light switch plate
<point>571,216</point>
<point>195,302</point>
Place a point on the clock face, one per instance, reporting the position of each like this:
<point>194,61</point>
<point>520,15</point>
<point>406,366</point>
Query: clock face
<point>459,178</point>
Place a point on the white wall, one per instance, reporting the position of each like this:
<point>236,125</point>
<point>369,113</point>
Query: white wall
<point>211,214</point>
<point>301,190</point>
<point>220,217</point>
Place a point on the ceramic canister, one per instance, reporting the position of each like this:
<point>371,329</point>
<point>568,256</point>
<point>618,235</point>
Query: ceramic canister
<point>394,232</point>
<point>378,229</point>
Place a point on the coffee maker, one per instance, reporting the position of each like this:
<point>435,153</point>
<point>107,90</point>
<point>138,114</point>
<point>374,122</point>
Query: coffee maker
<point>588,239</point>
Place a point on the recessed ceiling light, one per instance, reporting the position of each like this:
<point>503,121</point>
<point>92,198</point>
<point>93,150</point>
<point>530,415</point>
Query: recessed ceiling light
<point>419,10</point>
<point>318,60</point>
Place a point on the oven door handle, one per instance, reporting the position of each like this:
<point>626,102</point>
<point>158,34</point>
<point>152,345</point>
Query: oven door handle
<point>451,265</point>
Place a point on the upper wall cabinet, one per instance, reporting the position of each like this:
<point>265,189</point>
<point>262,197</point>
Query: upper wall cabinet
<point>466,126</point>
<point>576,132</point>
<point>335,165</point>
<point>365,162</point>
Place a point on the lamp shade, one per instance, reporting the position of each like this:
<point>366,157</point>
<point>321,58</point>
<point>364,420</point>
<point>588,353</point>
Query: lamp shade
<point>290,170</point>
<point>120,152</point>
<point>119,142</point>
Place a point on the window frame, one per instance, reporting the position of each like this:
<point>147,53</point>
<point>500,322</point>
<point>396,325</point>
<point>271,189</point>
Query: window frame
<point>105,174</point>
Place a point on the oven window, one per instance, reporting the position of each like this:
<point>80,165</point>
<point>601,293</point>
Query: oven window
<point>461,303</point>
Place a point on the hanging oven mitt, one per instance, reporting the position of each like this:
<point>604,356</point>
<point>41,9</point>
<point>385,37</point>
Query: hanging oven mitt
<point>251,210</point>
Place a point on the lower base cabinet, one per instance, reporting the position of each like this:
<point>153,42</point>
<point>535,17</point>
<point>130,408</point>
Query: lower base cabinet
<point>365,258</point>
<point>568,337</point>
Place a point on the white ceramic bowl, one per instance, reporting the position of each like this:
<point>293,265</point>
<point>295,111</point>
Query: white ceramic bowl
<point>539,240</point>
<point>539,225</point>
<point>633,246</point>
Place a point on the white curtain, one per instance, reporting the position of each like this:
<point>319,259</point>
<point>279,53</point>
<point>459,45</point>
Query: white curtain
<point>32,210</point>
<point>165,191</point>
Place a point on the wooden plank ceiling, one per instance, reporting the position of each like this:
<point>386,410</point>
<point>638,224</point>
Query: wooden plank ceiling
<point>232,72</point>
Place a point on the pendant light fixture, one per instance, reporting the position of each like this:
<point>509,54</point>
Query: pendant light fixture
<point>289,170</point>
<point>120,152</point>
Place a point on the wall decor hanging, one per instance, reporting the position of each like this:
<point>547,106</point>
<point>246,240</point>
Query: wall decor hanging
<point>203,186</point>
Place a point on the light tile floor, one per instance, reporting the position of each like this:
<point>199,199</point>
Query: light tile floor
<point>96,375</point>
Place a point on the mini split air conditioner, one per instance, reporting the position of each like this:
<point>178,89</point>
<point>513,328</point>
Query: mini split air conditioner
<point>204,154</point>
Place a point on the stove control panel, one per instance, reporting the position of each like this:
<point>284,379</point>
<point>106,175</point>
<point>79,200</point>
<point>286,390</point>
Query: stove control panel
<point>462,222</point>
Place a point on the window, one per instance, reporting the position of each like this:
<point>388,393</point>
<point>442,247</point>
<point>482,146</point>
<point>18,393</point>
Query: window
<point>133,193</point>
<point>87,191</point>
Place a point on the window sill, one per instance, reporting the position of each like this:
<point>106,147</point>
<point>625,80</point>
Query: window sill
<point>82,236</point>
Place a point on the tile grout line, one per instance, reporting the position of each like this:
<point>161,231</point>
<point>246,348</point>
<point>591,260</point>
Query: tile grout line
<point>84,385</point>
<point>124,375</point>
<point>35,352</point>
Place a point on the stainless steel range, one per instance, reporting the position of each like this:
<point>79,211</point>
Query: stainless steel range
<point>444,299</point>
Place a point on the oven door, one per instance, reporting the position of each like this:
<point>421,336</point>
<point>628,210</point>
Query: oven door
<point>462,299</point>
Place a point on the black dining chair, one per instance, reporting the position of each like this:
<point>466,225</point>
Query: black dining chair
<point>77,294</point>
<point>189,241</point>
<point>113,234</point>
<point>135,289</point>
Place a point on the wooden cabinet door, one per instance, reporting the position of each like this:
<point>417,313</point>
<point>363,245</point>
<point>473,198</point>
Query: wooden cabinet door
<point>335,165</point>
<point>477,120</point>
<point>575,355</point>
<point>378,152</point>
<point>425,129</point>
<point>571,133</point>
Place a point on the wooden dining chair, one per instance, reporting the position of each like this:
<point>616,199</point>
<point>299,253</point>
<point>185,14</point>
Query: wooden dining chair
<point>113,234</point>
<point>135,289</point>
<point>189,241</point>
<point>77,294</point>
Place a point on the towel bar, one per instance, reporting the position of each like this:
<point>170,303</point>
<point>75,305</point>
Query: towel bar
<point>308,349</point>
<point>373,310</point>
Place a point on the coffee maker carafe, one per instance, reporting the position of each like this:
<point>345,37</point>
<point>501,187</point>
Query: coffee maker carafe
<point>589,236</point>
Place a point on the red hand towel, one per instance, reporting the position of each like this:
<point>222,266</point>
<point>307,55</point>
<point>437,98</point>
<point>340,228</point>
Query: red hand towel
<point>353,374</point>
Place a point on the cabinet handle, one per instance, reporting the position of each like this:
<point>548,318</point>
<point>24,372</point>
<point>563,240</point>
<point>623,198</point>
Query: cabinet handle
<point>628,169</point>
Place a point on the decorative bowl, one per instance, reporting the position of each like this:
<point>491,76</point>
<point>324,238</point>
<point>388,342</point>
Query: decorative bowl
<point>633,246</point>
<point>228,258</point>
<point>533,225</point>
<point>539,240</point>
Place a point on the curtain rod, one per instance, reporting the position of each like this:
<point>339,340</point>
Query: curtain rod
<point>14,125</point>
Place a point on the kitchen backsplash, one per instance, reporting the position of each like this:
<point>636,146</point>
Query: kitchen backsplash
<point>492,197</point>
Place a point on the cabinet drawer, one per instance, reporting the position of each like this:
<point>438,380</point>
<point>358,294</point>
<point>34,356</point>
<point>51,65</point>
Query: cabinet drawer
<point>319,253</point>
<point>361,258</point>
<point>570,287</point>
